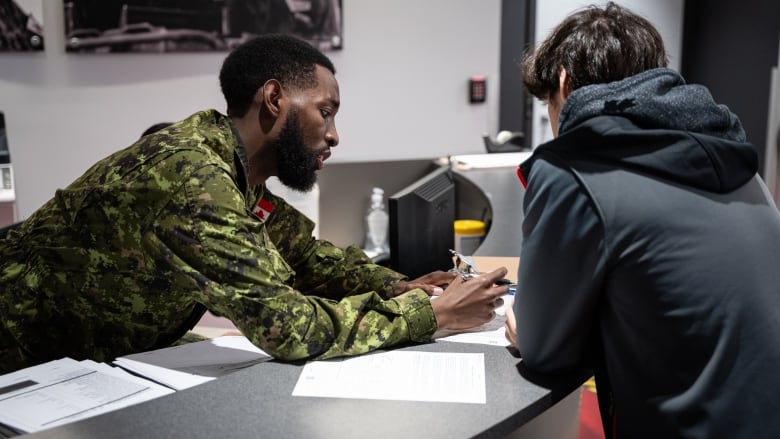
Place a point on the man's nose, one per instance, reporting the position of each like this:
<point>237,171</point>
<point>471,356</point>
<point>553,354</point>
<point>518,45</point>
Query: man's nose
<point>332,136</point>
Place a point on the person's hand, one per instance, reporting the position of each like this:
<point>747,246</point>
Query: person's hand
<point>432,283</point>
<point>469,303</point>
<point>511,326</point>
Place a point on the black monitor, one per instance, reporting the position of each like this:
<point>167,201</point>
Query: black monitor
<point>421,224</point>
<point>5,155</point>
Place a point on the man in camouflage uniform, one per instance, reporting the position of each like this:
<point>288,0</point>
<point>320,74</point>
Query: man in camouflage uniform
<point>129,256</point>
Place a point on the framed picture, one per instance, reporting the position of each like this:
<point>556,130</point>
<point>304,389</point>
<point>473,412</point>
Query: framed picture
<point>21,25</point>
<point>111,26</point>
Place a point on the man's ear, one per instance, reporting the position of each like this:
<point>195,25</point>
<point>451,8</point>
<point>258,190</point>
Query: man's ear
<point>564,83</point>
<point>269,96</point>
<point>269,100</point>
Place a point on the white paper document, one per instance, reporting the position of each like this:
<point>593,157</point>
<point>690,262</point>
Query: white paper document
<point>188,365</point>
<point>66,390</point>
<point>398,375</point>
<point>491,333</point>
<point>482,161</point>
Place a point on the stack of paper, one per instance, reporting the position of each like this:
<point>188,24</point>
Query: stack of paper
<point>483,161</point>
<point>180,367</point>
<point>66,390</point>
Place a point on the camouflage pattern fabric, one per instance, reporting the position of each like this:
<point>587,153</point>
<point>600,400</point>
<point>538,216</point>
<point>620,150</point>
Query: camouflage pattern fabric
<point>129,256</point>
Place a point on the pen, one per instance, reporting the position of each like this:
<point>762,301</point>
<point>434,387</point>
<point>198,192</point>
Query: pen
<point>512,285</point>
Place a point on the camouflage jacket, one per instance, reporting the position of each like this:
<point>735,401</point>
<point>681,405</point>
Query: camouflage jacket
<point>129,256</point>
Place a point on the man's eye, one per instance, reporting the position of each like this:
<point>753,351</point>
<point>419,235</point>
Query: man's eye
<point>325,113</point>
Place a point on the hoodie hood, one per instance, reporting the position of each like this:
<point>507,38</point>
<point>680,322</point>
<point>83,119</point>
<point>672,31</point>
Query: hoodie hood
<point>655,123</point>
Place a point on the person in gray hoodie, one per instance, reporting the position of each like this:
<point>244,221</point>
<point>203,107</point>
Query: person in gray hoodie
<point>651,247</point>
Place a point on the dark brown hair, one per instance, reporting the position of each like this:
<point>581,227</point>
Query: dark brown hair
<point>595,45</point>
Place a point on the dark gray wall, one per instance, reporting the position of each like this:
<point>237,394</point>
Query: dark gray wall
<point>345,194</point>
<point>730,47</point>
<point>517,35</point>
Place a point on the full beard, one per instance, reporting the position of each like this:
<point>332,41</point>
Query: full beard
<point>296,163</point>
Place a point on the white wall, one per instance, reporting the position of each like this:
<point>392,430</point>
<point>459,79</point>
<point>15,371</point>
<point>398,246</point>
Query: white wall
<point>666,16</point>
<point>403,74</point>
<point>32,7</point>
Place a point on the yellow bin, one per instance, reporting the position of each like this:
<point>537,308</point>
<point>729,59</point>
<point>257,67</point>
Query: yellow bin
<point>468,235</point>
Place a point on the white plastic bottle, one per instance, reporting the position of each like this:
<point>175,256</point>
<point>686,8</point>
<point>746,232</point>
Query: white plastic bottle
<point>377,224</point>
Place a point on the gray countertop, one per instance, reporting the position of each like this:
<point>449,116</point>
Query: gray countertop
<point>258,402</point>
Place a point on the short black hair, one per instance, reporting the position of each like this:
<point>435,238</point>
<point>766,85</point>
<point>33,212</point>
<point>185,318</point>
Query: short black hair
<point>595,45</point>
<point>287,59</point>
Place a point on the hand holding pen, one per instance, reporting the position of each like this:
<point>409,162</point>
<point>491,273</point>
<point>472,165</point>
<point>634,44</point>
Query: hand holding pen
<point>471,300</point>
<point>466,270</point>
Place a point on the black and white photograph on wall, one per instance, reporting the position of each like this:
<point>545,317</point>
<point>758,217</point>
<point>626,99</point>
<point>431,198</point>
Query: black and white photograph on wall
<point>164,26</point>
<point>21,25</point>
